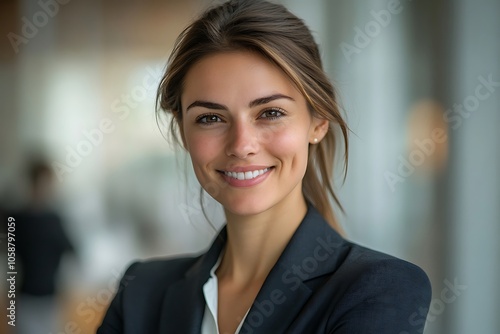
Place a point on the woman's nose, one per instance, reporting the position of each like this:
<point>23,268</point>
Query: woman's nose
<point>242,140</point>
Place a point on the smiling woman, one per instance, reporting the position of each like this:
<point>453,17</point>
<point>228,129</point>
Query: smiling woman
<point>236,128</point>
<point>258,117</point>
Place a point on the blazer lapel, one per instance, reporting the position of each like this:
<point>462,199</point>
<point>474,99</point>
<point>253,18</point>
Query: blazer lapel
<point>183,304</point>
<point>314,250</point>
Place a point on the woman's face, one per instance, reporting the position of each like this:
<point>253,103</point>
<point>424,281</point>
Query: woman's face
<point>247,130</point>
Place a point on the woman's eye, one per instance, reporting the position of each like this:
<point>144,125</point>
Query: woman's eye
<point>272,113</point>
<point>208,119</point>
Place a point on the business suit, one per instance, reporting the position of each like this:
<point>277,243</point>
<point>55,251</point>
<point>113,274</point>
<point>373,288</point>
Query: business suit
<point>320,284</point>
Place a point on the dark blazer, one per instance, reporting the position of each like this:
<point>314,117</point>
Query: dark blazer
<point>320,284</point>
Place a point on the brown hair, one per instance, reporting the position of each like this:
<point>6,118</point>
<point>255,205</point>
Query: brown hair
<point>275,33</point>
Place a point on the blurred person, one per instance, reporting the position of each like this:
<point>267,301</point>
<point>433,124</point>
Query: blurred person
<point>255,111</point>
<point>40,244</point>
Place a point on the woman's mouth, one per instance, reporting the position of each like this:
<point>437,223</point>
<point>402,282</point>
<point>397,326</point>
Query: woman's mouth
<point>243,177</point>
<point>249,175</point>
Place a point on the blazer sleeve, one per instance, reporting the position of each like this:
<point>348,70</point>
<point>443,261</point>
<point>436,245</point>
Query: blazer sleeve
<point>385,297</point>
<point>113,319</point>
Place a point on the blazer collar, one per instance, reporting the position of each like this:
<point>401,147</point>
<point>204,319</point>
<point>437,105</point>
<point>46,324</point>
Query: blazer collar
<point>314,250</point>
<point>183,304</point>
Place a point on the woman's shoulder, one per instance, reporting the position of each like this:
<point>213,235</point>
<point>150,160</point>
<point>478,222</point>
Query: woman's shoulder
<point>140,293</point>
<point>158,271</point>
<point>367,264</point>
<point>373,292</point>
<point>350,267</point>
<point>381,283</point>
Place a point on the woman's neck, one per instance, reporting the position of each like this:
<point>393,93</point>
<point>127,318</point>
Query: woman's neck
<point>256,242</point>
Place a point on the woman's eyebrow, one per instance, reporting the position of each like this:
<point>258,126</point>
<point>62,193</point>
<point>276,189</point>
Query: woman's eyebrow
<point>206,104</point>
<point>267,99</point>
<point>254,103</point>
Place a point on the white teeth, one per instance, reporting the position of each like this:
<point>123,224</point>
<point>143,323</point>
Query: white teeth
<point>246,175</point>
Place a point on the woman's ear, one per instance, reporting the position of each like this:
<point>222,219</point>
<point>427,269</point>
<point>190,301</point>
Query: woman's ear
<point>319,128</point>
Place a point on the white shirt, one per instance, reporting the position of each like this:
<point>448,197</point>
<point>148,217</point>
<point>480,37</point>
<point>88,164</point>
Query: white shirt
<point>209,324</point>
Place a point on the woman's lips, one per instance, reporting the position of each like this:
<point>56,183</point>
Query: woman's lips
<point>249,177</point>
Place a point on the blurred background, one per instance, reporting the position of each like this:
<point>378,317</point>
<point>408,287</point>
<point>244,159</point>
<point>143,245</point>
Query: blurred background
<point>420,85</point>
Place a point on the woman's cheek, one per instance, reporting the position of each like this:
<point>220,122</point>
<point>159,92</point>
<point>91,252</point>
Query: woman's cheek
<point>203,148</point>
<point>288,142</point>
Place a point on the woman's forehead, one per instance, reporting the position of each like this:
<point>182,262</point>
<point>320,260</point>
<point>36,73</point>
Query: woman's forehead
<point>242,75</point>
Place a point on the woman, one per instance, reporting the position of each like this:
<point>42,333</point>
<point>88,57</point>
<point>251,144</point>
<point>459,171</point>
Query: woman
<point>254,109</point>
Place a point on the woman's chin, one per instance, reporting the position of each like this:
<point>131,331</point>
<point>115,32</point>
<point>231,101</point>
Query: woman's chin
<point>245,207</point>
